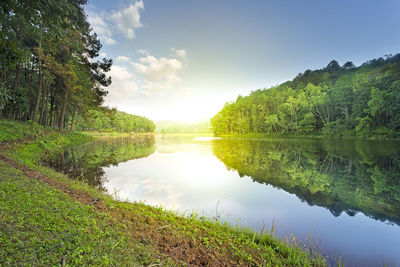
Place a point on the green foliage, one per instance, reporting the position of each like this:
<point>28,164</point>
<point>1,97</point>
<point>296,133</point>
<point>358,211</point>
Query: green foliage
<point>13,131</point>
<point>337,101</point>
<point>49,67</point>
<point>109,120</point>
<point>45,140</point>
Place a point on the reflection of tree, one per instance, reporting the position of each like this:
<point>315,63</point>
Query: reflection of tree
<point>86,162</point>
<point>348,176</point>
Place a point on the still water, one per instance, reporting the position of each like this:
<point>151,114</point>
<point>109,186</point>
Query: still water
<point>344,195</point>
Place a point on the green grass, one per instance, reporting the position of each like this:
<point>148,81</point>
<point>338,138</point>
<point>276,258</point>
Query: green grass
<point>31,153</point>
<point>13,130</point>
<point>244,244</point>
<point>41,225</point>
<point>48,138</point>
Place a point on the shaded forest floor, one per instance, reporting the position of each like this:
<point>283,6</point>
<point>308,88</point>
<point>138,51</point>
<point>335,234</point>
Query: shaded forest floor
<point>48,218</point>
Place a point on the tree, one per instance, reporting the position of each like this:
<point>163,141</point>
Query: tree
<point>48,66</point>
<point>336,100</point>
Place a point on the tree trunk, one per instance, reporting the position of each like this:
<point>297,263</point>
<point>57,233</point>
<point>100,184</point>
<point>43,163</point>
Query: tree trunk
<point>17,76</point>
<point>46,101</point>
<point>3,72</point>
<point>45,96</point>
<point>25,74</point>
<point>32,71</point>
<point>51,110</point>
<point>39,92</point>
<point>42,106</point>
<point>72,121</point>
<point>13,112</point>
<point>346,113</point>
<point>62,113</point>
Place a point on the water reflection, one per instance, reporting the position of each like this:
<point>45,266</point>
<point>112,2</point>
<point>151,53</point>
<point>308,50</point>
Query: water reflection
<point>344,193</point>
<point>343,176</point>
<point>86,162</point>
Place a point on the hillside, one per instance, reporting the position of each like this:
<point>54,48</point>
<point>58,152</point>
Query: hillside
<point>337,100</point>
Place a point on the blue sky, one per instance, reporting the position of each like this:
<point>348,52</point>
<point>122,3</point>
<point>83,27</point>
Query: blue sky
<point>183,59</point>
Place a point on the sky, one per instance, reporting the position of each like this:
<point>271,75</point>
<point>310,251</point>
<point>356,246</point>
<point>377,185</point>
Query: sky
<point>182,60</point>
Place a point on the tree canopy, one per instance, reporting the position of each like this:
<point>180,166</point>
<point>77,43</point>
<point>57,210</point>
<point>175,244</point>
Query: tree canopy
<point>336,100</point>
<point>106,120</point>
<point>50,70</point>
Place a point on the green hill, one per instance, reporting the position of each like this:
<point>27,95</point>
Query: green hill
<point>346,100</point>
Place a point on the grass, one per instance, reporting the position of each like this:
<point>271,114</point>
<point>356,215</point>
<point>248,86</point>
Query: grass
<point>42,225</point>
<point>245,245</point>
<point>13,130</point>
<point>47,138</point>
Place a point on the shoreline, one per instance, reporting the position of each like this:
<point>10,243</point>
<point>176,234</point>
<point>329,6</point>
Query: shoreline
<point>164,237</point>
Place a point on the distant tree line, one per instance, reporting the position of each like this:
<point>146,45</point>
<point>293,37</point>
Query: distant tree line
<point>336,100</point>
<point>106,120</point>
<point>183,127</point>
<point>49,70</point>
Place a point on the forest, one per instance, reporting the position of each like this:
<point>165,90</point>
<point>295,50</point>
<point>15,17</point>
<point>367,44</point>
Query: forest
<point>104,119</point>
<point>50,69</point>
<point>337,100</point>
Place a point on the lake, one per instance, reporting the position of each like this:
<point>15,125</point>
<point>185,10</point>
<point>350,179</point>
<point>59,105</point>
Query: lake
<point>342,196</point>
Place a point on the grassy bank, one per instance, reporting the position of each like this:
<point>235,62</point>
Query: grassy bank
<point>41,225</point>
<point>48,218</point>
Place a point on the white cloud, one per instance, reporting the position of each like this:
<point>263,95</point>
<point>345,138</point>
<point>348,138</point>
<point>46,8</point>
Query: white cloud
<point>123,59</point>
<point>159,73</point>
<point>102,55</point>
<point>101,27</point>
<point>122,86</point>
<point>142,51</point>
<point>180,53</point>
<point>108,40</point>
<point>147,75</point>
<point>127,20</point>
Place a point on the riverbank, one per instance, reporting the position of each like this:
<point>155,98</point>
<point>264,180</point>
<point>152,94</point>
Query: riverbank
<point>299,136</point>
<point>48,218</point>
<point>114,134</point>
